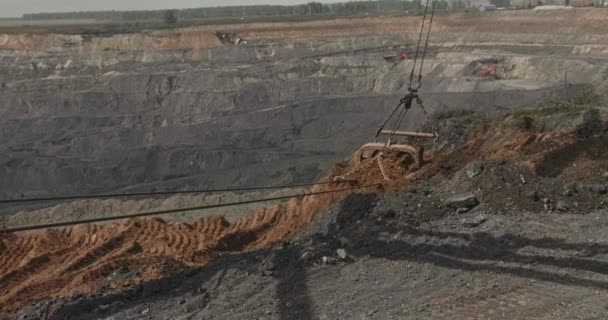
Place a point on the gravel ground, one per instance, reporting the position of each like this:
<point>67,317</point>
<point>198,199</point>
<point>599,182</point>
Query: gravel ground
<point>396,264</point>
<point>487,237</point>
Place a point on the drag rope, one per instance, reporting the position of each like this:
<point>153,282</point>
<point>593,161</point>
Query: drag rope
<point>163,212</point>
<point>161,193</point>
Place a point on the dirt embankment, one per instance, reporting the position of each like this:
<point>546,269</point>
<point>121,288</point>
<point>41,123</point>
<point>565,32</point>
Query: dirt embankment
<point>55,263</point>
<point>154,41</point>
<point>585,30</point>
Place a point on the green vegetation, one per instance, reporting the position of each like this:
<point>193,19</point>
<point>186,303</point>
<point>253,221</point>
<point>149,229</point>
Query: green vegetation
<point>122,22</point>
<point>104,23</point>
<point>450,114</point>
<point>549,110</point>
<point>501,3</point>
<point>462,116</point>
<point>170,17</point>
<point>584,99</point>
<point>586,96</point>
<point>253,11</point>
<point>309,9</point>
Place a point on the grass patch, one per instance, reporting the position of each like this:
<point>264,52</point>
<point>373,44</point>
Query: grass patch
<point>585,99</point>
<point>548,111</point>
<point>101,27</point>
<point>461,115</point>
<point>450,114</point>
<point>587,96</point>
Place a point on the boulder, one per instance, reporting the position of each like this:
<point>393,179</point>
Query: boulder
<point>599,189</point>
<point>533,195</point>
<point>474,169</point>
<point>462,210</point>
<point>342,254</point>
<point>306,256</point>
<point>561,206</point>
<point>474,221</point>
<point>468,200</point>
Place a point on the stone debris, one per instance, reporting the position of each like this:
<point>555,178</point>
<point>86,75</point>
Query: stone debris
<point>561,206</point>
<point>462,210</point>
<point>474,169</point>
<point>533,195</point>
<point>474,221</point>
<point>462,201</point>
<point>306,256</point>
<point>342,254</point>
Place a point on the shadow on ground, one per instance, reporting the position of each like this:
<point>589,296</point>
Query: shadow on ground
<point>288,271</point>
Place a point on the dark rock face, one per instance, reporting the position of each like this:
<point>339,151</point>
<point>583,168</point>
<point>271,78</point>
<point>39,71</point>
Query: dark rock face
<point>175,126</point>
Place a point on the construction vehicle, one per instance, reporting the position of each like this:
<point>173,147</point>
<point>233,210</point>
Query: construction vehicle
<point>393,58</point>
<point>487,72</point>
<point>230,38</point>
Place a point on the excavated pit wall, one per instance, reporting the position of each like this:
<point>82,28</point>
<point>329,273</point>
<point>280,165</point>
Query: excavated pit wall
<point>275,111</point>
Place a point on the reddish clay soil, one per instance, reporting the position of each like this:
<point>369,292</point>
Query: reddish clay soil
<point>54,263</point>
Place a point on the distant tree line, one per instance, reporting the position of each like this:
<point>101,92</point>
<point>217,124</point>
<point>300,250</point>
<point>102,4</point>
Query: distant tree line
<point>309,9</point>
<point>502,3</point>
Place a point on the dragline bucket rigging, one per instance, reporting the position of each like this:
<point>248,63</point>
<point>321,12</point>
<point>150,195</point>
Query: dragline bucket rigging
<point>378,149</point>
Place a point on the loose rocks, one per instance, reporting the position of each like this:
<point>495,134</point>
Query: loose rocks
<point>306,256</point>
<point>533,195</point>
<point>462,201</point>
<point>474,221</point>
<point>599,189</point>
<point>342,254</point>
<point>474,169</point>
<point>561,206</point>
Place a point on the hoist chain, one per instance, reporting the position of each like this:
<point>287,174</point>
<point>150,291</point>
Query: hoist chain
<point>382,171</point>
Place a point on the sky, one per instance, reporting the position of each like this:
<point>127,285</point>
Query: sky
<point>16,8</point>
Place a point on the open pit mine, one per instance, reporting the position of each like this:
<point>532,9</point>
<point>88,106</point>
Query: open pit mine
<point>497,209</point>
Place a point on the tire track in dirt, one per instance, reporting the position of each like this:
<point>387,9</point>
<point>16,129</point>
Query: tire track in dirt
<point>55,263</point>
<point>14,250</point>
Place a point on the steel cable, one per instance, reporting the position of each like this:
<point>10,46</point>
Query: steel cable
<point>163,212</point>
<point>160,193</point>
